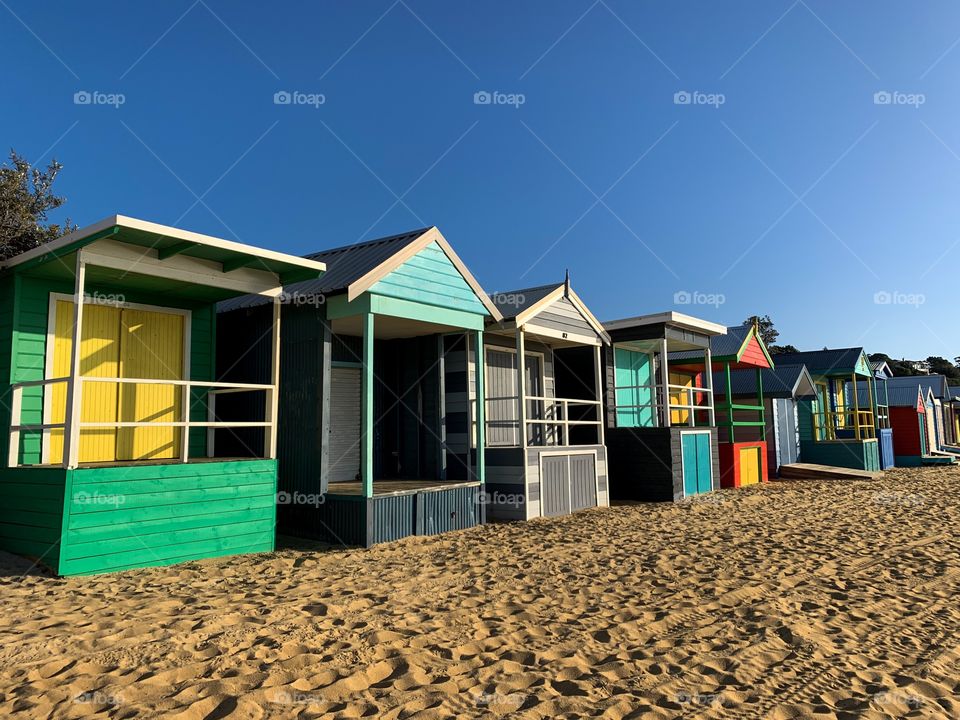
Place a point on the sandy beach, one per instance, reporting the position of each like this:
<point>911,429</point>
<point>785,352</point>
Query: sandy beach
<point>804,599</point>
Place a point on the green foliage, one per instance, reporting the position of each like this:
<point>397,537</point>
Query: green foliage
<point>769,334</point>
<point>942,366</point>
<point>26,197</point>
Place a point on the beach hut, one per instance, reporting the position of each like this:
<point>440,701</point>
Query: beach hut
<point>836,429</point>
<point>936,391</point>
<point>880,391</point>
<point>661,431</point>
<point>951,422</point>
<point>783,388</point>
<point>106,384</point>
<point>545,451</point>
<point>375,440</point>
<point>743,455</point>
<point>908,415</point>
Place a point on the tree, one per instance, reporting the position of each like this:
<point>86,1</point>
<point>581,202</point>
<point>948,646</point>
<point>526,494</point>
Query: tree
<point>26,196</point>
<point>768,333</point>
<point>942,366</point>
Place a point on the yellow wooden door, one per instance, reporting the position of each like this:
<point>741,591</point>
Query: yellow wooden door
<point>151,346</point>
<point>749,466</point>
<point>680,397</point>
<point>99,357</point>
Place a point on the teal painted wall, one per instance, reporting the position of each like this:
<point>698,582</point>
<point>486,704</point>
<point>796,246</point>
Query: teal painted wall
<point>27,352</point>
<point>151,515</point>
<point>857,454</point>
<point>430,278</point>
<point>31,512</point>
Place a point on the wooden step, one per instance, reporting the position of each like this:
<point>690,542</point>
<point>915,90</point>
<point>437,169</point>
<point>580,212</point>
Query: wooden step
<point>809,471</point>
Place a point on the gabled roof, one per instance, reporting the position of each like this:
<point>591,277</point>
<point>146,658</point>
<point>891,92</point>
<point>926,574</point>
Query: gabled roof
<point>954,393</point>
<point>881,368</point>
<point>937,383</point>
<point>354,269</point>
<point>522,306</point>
<point>728,348</point>
<point>784,381</point>
<point>825,362</point>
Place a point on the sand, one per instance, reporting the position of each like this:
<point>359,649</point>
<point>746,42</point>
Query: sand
<point>801,599</point>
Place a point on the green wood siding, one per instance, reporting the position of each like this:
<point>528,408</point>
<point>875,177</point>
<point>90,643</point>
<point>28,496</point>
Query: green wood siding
<point>25,350</point>
<point>31,512</point>
<point>6,340</point>
<point>150,515</point>
<point>430,277</point>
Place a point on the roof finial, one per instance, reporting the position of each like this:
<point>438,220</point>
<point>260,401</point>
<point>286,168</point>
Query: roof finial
<point>566,284</point>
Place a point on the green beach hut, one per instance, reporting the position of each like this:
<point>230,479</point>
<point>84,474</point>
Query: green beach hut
<point>106,380</point>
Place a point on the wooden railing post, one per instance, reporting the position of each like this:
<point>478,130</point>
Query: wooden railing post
<point>16,408</point>
<point>71,433</point>
<point>211,417</point>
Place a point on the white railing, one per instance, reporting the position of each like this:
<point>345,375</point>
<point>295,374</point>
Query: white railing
<point>185,423</point>
<point>683,392</point>
<point>554,418</point>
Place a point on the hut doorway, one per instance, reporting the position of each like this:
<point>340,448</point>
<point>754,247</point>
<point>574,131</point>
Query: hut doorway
<point>344,428</point>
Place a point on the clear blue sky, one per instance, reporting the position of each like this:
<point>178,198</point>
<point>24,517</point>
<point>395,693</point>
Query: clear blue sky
<point>798,196</point>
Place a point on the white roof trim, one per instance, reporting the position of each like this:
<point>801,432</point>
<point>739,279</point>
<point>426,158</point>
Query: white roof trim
<point>672,318</point>
<point>167,231</point>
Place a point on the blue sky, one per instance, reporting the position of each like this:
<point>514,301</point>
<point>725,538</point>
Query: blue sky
<point>785,186</point>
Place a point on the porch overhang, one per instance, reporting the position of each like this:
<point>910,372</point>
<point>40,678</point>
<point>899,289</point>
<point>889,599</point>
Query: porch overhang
<point>396,317</point>
<point>121,250</point>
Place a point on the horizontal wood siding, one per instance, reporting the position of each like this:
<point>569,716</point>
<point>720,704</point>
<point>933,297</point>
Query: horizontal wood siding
<point>856,454</point>
<point>31,512</point>
<point>7,288</point>
<point>563,316</point>
<point>429,277</point>
<point>150,515</point>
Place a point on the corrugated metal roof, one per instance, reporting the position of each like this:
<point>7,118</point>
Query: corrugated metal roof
<point>902,395</point>
<point>937,383</point>
<point>513,302</point>
<point>345,265</point>
<point>778,383</point>
<point>822,362</point>
<point>955,392</point>
<point>721,346</point>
